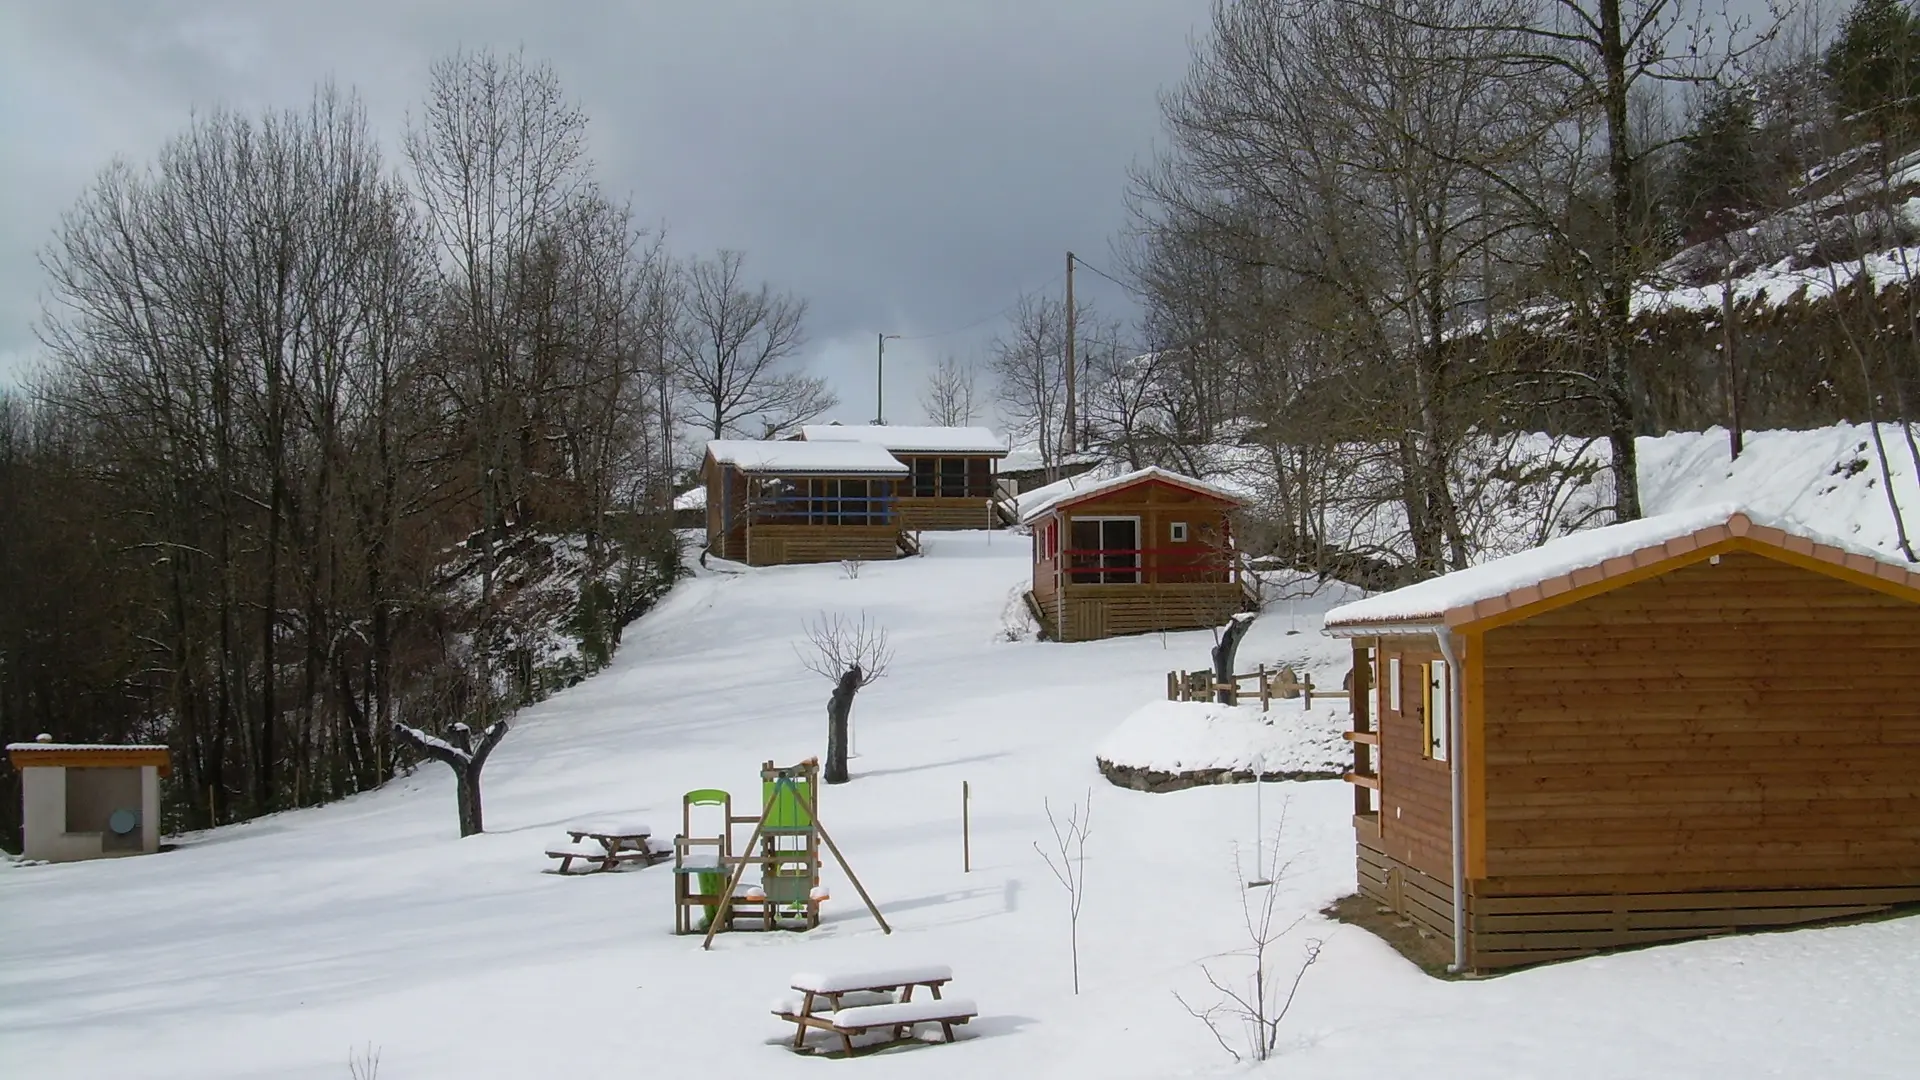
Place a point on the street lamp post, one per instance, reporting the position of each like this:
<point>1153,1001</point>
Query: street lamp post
<point>879,379</point>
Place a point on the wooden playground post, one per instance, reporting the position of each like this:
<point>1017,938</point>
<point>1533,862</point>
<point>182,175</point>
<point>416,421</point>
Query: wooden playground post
<point>842,860</point>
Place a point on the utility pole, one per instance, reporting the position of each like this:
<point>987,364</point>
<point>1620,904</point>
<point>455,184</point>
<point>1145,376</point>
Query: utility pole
<point>1072,411</point>
<point>879,378</point>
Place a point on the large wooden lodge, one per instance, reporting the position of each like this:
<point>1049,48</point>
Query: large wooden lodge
<point>845,492</point>
<point>1671,728</point>
<point>1145,550</point>
<point>775,502</point>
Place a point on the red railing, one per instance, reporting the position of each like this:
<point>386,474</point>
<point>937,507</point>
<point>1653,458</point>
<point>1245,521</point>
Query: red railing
<point>1099,567</point>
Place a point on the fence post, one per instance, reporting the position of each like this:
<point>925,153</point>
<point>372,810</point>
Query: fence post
<point>1264,694</point>
<point>1173,686</point>
<point>1306,690</point>
<point>966,828</point>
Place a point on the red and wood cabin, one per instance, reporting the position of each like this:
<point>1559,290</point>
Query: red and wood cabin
<point>776,502</point>
<point>1146,550</point>
<point>1671,728</point>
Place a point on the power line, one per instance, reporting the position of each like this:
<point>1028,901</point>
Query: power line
<point>1089,266</point>
<point>985,318</point>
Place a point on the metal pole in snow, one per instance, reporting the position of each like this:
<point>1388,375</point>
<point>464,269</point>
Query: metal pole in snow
<point>1260,878</point>
<point>966,828</point>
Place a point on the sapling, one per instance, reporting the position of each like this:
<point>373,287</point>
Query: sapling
<point>1259,1000</point>
<point>853,654</point>
<point>1070,841</point>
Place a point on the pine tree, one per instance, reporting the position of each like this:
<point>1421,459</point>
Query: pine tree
<point>1718,181</point>
<point>1873,67</point>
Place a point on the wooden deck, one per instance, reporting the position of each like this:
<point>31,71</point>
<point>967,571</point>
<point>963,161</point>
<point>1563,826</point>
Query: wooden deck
<point>1092,612</point>
<point>937,514</point>
<point>778,545</point>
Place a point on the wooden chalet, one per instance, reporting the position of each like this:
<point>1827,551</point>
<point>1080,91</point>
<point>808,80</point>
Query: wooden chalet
<point>1671,728</point>
<point>1145,550</point>
<point>776,502</point>
<point>950,470</point>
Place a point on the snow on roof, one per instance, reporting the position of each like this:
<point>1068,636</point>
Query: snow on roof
<point>1079,488</point>
<point>1479,592</point>
<point>67,748</point>
<point>1030,459</point>
<point>790,457</point>
<point>907,440</point>
<point>691,499</point>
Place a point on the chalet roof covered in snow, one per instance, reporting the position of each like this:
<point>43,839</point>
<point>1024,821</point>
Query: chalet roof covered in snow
<point>1585,558</point>
<point>788,457</point>
<point>1068,492</point>
<point>691,499</point>
<point>910,440</point>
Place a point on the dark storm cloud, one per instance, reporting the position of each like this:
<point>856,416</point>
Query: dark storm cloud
<point>905,166</point>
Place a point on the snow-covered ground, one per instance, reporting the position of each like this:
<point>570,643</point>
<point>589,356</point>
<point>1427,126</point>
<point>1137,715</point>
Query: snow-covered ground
<point>276,948</point>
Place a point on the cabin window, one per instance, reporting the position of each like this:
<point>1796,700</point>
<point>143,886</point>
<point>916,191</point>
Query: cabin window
<point>1104,551</point>
<point>1438,714</point>
<point>950,477</point>
<point>1393,684</point>
<point>836,501</point>
<point>1178,532</point>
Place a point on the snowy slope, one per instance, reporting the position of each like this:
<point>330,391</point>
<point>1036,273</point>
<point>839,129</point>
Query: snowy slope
<point>272,949</point>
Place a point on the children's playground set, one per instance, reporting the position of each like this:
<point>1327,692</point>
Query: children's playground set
<point>782,852</point>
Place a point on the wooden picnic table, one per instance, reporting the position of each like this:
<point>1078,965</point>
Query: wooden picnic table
<point>824,1005</point>
<point>607,846</point>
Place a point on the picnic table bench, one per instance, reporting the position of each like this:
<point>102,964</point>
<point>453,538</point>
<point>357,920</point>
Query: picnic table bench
<point>606,845</point>
<point>825,1005</point>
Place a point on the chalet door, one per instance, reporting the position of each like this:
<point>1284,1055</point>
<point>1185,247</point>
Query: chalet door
<point>1105,550</point>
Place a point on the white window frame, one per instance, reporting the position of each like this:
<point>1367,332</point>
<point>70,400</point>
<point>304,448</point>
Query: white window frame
<point>1439,709</point>
<point>1393,683</point>
<point>1177,532</point>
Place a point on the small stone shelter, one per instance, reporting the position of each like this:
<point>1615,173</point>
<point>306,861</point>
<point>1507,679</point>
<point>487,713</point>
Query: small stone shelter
<point>1145,550</point>
<point>771,502</point>
<point>1688,725</point>
<point>950,482</point>
<point>89,801</point>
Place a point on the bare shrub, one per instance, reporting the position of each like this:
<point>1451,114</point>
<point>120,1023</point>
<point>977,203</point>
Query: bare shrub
<point>1252,1005</point>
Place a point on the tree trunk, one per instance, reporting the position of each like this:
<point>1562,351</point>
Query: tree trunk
<point>466,764</point>
<point>839,710</point>
<point>1223,653</point>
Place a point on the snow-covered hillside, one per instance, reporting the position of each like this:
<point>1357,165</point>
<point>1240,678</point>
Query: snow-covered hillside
<point>276,948</point>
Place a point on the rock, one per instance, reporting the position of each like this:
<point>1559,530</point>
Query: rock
<point>1158,782</point>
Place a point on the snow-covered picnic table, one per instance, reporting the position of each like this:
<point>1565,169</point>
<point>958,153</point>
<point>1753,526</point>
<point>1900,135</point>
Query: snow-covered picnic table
<point>852,1003</point>
<point>607,844</point>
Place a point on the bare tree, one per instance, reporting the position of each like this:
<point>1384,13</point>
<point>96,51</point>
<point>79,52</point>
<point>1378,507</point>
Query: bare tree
<point>1256,1003</point>
<point>853,653</point>
<point>732,350</point>
<point>1026,360</point>
<point>950,398</point>
<point>1070,868</point>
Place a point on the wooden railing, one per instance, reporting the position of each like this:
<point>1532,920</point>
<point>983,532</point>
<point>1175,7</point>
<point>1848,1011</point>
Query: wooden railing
<point>1200,686</point>
<point>1211,569</point>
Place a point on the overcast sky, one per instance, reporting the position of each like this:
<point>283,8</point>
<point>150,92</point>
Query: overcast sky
<point>907,166</point>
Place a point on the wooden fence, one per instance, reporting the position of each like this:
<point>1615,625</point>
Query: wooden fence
<point>1199,686</point>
